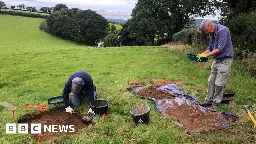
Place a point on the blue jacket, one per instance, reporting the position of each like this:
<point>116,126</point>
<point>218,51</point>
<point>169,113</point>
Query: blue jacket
<point>87,89</point>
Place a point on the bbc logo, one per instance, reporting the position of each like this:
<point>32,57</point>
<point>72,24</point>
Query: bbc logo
<point>36,128</point>
<point>11,128</point>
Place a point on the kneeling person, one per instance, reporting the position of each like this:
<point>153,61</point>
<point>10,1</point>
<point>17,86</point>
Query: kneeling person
<point>82,88</point>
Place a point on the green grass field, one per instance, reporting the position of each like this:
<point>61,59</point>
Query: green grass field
<point>118,26</point>
<point>28,58</point>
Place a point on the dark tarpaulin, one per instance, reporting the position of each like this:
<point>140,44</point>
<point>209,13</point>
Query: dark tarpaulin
<point>185,110</point>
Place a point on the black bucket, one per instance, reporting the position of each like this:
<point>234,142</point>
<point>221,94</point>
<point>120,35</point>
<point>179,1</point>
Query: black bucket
<point>140,114</point>
<point>99,107</point>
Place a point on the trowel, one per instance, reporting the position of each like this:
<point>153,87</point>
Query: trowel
<point>247,108</point>
<point>88,117</point>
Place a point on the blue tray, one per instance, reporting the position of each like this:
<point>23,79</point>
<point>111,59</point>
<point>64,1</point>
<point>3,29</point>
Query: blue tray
<point>193,57</point>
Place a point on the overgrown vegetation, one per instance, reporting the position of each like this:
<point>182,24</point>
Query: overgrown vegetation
<point>243,32</point>
<point>240,18</point>
<point>188,36</point>
<point>155,22</point>
<point>111,39</point>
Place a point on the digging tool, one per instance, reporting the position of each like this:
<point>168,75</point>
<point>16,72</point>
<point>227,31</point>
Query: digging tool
<point>38,107</point>
<point>247,108</point>
<point>89,116</point>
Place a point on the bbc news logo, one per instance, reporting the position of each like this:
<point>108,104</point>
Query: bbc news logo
<point>36,128</point>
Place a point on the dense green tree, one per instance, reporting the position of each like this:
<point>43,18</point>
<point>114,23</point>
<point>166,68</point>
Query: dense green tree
<point>58,7</point>
<point>112,28</point>
<point>33,9</point>
<point>2,4</point>
<point>21,6</point>
<point>83,26</point>
<point>240,17</point>
<point>111,39</point>
<point>232,8</point>
<point>159,19</point>
<point>43,9</point>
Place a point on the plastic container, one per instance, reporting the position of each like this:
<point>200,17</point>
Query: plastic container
<point>193,57</point>
<point>140,113</point>
<point>100,106</point>
<point>55,100</point>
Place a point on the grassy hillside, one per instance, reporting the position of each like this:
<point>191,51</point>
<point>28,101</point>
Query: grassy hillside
<point>29,60</point>
<point>118,26</point>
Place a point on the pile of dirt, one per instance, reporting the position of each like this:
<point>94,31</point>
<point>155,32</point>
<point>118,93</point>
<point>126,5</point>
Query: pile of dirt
<point>151,92</point>
<point>56,116</point>
<point>161,82</point>
<point>155,83</point>
<point>140,109</point>
<point>135,84</point>
<point>192,117</point>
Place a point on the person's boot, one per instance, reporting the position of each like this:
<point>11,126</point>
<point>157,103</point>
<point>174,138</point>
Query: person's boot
<point>206,103</point>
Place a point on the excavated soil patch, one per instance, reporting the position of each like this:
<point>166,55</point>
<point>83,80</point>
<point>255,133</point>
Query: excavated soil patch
<point>151,92</point>
<point>155,83</point>
<point>161,82</point>
<point>191,116</point>
<point>56,116</point>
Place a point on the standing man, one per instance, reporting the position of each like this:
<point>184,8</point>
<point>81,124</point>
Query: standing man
<point>221,48</point>
<point>82,88</point>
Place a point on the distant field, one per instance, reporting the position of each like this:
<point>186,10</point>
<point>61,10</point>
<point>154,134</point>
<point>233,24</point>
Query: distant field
<point>118,26</point>
<point>24,11</point>
<point>34,66</point>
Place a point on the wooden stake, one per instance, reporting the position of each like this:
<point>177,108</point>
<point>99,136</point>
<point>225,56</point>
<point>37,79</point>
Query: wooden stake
<point>40,138</point>
<point>13,110</point>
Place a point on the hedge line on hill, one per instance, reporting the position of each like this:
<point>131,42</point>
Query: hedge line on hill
<point>24,14</point>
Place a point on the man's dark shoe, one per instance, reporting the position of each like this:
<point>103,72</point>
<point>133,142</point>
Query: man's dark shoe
<point>206,103</point>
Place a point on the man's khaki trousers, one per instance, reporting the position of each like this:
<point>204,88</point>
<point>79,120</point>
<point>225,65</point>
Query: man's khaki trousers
<point>220,71</point>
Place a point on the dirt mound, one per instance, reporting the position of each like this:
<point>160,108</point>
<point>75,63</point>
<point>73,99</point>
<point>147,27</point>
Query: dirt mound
<point>161,82</point>
<point>155,83</point>
<point>192,117</point>
<point>140,109</point>
<point>151,92</point>
<point>56,116</point>
<point>135,84</point>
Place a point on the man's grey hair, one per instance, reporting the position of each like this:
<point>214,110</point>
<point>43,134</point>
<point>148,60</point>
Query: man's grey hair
<point>77,84</point>
<point>205,23</point>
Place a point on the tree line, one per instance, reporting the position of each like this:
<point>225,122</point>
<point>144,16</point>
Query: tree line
<point>48,10</point>
<point>154,22</point>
